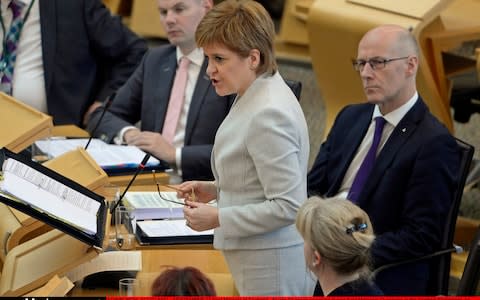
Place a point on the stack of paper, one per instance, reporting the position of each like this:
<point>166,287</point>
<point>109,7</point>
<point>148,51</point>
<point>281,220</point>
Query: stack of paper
<point>149,205</point>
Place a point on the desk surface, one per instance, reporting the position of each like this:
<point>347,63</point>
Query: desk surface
<point>154,260</point>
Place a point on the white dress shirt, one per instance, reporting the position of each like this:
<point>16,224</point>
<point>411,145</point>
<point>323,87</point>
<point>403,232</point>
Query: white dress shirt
<point>28,83</point>
<point>392,118</point>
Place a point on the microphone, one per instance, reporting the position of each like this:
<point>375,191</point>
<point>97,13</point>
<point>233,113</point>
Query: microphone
<point>140,168</point>
<point>107,104</point>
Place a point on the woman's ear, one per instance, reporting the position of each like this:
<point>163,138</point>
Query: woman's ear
<point>254,57</point>
<point>207,4</point>
<point>316,259</point>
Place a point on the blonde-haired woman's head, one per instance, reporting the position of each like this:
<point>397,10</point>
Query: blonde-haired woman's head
<point>338,232</point>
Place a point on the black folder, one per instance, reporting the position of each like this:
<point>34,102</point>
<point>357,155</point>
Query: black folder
<point>143,239</point>
<point>93,239</point>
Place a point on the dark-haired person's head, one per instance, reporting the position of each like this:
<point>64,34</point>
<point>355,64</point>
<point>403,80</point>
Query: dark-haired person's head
<point>187,281</point>
<point>238,39</point>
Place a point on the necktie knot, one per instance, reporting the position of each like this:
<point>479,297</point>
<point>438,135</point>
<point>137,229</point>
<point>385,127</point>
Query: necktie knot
<point>16,7</point>
<point>183,64</point>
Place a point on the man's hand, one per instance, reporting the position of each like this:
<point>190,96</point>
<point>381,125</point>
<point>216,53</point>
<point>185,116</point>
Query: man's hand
<point>151,142</point>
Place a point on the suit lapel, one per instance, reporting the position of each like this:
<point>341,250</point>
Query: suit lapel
<point>198,98</point>
<point>48,24</point>
<point>162,94</point>
<point>352,142</point>
<point>395,142</point>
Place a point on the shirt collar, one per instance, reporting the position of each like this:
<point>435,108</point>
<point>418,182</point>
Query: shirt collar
<point>394,117</point>
<point>196,56</point>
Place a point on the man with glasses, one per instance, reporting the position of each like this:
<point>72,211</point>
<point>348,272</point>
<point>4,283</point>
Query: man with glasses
<point>393,158</point>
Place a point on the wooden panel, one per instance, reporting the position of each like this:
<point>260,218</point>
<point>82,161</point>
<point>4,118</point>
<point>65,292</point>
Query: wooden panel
<point>69,131</point>
<point>32,264</point>
<point>23,124</point>
<point>145,19</point>
<point>409,8</point>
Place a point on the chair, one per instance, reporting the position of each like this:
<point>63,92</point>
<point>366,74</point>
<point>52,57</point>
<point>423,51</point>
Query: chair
<point>295,86</point>
<point>471,273</point>
<point>440,260</point>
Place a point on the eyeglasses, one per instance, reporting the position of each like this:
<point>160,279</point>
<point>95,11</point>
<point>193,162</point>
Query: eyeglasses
<point>160,193</point>
<point>375,63</point>
<point>192,195</point>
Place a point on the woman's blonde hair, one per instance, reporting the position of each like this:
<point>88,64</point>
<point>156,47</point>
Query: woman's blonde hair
<point>241,26</point>
<point>339,230</point>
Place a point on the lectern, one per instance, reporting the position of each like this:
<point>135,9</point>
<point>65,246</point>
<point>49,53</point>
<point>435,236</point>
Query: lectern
<point>77,213</point>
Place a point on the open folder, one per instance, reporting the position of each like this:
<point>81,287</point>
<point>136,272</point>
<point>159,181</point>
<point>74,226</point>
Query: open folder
<point>52,198</point>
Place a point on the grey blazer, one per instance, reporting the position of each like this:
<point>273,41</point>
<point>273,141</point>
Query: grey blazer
<point>259,161</point>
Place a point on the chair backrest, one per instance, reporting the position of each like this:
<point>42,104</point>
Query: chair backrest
<point>295,86</point>
<point>471,272</point>
<point>440,267</point>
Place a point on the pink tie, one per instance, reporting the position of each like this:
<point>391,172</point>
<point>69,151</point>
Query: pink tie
<point>175,104</point>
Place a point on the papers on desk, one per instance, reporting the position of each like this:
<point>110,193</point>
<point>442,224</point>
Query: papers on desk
<point>165,232</point>
<point>149,205</point>
<point>169,228</point>
<point>107,156</point>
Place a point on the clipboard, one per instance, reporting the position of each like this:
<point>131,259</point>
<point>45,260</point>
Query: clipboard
<point>94,239</point>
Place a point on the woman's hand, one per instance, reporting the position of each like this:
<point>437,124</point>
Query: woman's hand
<point>201,191</point>
<point>200,216</point>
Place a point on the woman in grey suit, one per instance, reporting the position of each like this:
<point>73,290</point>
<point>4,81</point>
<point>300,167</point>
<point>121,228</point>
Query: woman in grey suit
<point>259,157</point>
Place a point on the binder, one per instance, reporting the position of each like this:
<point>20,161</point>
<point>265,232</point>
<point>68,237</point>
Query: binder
<point>25,124</point>
<point>73,195</point>
<point>18,227</point>
<point>198,238</point>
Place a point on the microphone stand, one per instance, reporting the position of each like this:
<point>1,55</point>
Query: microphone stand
<point>107,104</point>
<point>139,169</point>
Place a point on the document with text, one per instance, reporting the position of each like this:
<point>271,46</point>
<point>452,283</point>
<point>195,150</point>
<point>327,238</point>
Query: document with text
<point>169,228</point>
<point>105,155</point>
<point>23,183</point>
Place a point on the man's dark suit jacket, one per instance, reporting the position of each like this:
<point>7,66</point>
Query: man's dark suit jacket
<point>145,97</point>
<point>87,55</point>
<point>408,193</point>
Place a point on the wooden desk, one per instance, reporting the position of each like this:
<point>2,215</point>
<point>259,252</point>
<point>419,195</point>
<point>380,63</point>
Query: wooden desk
<point>154,260</point>
<point>71,131</point>
<point>143,182</point>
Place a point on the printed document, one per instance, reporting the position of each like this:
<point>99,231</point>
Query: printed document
<point>106,155</point>
<point>49,196</point>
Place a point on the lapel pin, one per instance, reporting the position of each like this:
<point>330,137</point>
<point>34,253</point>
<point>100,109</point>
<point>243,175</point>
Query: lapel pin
<point>404,129</point>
